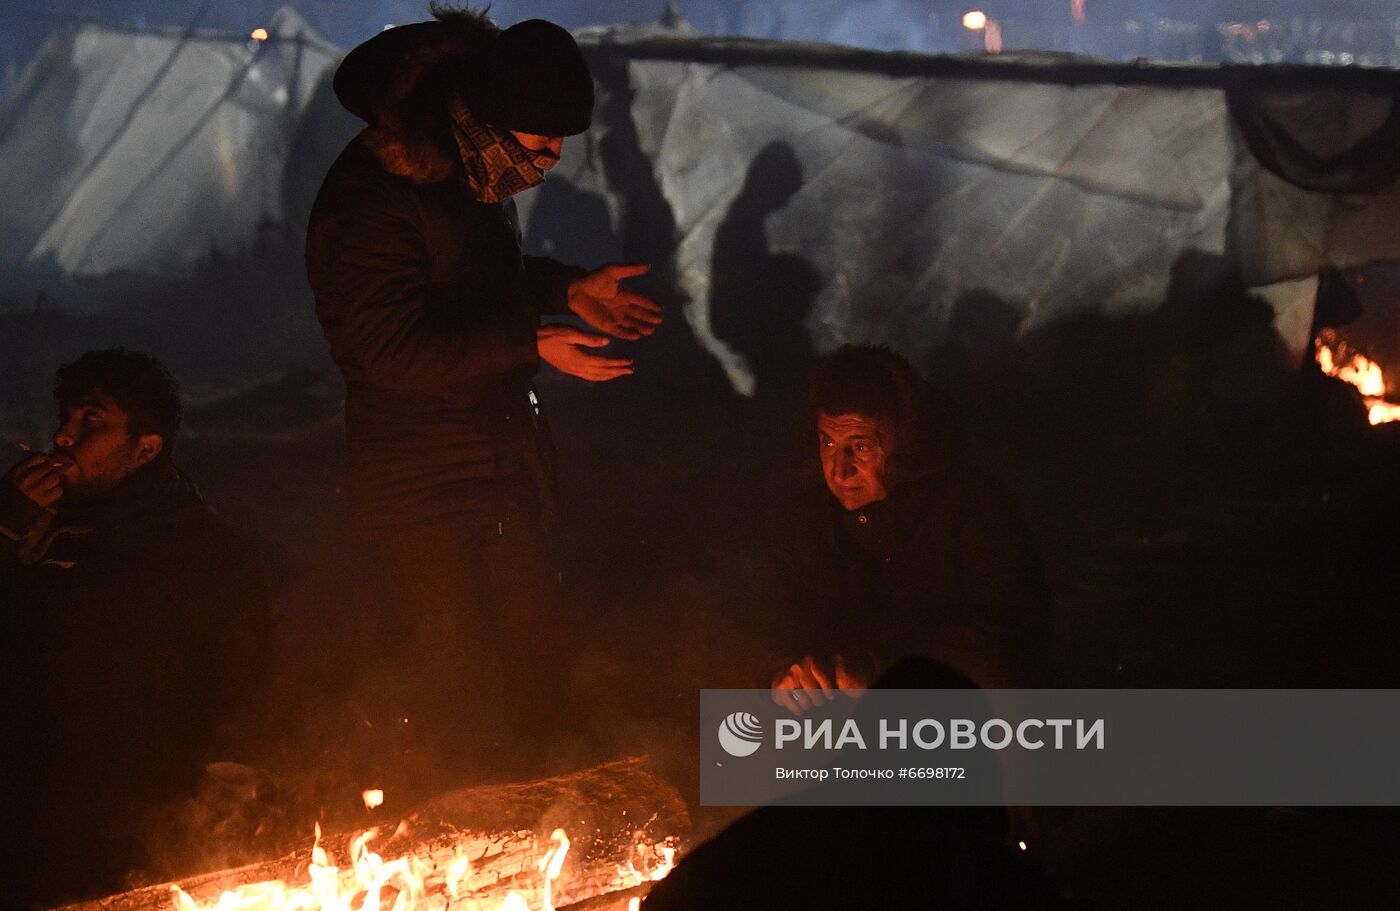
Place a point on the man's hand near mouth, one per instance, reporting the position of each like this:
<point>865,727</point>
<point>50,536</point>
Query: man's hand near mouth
<point>39,477</point>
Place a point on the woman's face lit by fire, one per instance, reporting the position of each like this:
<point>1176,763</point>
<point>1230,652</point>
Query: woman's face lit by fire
<point>854,451</point>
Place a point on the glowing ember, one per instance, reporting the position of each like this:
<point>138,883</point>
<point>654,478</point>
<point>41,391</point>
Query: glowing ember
<point>644,854</point>
<point>1337,359</point>
<point>259,34</point>
<point>373,798</point>
<point>667,865</point>
<point>975,20</point>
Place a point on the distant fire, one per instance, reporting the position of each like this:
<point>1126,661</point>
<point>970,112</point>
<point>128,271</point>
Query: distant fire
<point>977,21</point>
<point>1337,359</point>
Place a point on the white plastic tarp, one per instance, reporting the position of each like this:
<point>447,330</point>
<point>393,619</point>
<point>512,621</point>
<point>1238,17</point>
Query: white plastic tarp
<point>915,191</point>
<point>136,151</point>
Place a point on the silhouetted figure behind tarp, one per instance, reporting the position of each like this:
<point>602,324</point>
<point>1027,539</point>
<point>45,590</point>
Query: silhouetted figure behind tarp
<point>760,299</point>
<point>979,348</point>
<point>675,420</point>
<point>571,224</point>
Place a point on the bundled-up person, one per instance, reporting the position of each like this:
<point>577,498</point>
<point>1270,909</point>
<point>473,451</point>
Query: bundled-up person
<point>434,318</point>
<point>133,625</point>
<point>903,550</point>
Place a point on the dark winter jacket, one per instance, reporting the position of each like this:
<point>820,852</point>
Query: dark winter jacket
<point>427,303</point>
<point>944,567</point>
<point>944,857</point>
<point>133,644</point>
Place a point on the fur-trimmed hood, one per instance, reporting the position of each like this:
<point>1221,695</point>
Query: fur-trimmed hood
<point>401,81</point>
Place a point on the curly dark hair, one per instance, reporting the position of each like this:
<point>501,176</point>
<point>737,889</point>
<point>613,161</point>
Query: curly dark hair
<point>138,382</point>
<point>920,427</point>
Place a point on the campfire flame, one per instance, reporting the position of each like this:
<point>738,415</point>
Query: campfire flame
<point>457,872</point>
<point>551,864</point>
<point>371,883</point>
<point>1337,359</point>
<point>637,877</point>
<point>329,889</point>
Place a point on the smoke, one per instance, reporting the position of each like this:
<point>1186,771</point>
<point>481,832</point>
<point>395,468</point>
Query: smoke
<point>1311,31</point>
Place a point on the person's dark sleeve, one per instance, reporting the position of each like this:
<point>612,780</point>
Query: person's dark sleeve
<point>548,281</point>
<point>22,522</point>
<point>368,265</point>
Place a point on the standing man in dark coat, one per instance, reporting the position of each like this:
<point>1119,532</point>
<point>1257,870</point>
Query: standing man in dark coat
<point>433,315</point>
<point>133,634</point>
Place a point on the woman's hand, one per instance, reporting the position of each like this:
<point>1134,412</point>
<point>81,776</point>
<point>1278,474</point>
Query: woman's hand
<point>564,348</point>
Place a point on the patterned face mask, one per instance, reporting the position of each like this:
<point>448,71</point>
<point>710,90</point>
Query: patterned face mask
<point>497,165</point>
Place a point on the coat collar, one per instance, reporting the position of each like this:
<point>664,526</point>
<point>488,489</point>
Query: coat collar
<point>400,83</point>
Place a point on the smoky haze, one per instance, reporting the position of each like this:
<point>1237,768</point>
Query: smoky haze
<point>1315,31</point>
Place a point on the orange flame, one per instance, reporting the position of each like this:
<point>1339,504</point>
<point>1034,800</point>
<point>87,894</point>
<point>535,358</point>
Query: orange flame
<point>371,883</point>
<point>551,865</point>
<point>458,872</point>
<point>1337,359</point>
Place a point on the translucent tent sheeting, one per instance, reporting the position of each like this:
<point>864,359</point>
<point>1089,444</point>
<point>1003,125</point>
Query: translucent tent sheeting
<point>898,185</point>
<point>913,191</point>
<point>137,151</point>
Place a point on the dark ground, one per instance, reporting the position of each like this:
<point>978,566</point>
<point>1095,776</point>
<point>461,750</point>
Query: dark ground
<point>1191,539</point>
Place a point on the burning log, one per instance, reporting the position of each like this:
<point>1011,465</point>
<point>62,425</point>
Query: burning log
<point>486,848</point>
